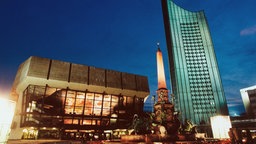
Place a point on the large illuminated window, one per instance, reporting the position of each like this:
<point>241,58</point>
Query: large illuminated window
<point>79,103</point>
<point>70,101</point>
<point>47,106</point>
<point>106,105</point>
<point>89,104</point>
<point>114,102</point>
<point>220,126</point>
<point>86,122</point>
<point>97,104</point>
<point>67,121</point>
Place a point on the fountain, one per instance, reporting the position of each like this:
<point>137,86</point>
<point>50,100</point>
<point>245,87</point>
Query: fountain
<point>163,124</point>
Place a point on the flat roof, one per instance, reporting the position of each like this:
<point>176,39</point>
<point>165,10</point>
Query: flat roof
<point>60,74</point>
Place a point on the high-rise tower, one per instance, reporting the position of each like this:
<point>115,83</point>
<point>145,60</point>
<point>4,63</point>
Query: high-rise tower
<point>195,77</point>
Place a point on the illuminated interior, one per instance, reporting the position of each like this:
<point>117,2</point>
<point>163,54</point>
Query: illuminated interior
<point>47,107</point>
<point>220,126</point>
<point>7,108</point>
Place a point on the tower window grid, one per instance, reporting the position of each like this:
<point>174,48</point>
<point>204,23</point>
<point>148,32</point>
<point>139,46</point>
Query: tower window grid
<point>200,84</point>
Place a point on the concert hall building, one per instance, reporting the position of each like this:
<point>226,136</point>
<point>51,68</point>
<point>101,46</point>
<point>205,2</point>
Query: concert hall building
<point>63,100</point>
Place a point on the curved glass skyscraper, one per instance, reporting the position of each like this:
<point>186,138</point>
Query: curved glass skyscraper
<point>195,78</point>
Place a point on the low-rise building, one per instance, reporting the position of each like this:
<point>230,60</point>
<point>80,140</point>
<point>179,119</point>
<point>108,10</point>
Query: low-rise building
<point>63,100</point>
<point>249,100</point>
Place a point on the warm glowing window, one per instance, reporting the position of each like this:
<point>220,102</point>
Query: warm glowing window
<point>79,103</point>
<point>98,97</point>
<point>106,112</point>
<point>115,99</point>
<point>97,111</point>
<point>80,95</point>
<point>87,122</point>
<point>98,101</point>
<point>89,104</point>
<point>87,111</point>
<point>89,95</point>
<point>125,98</point>
<point>71,94</point>
<point>130,100</point>
<point>106,105</point>
<point>107,98</point>
<point>114,103</point>
<point>78,110</point>
<point>75,121</point>
<point>70,101</point>
<point>67,121</point>
<point>97,104</point>
<point>63,93</point>
<point>93,122</point>
<point>98,122</point>
<point>69,109</point>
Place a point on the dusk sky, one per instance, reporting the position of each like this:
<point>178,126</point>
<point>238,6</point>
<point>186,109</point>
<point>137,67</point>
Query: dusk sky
<point>122,35</point>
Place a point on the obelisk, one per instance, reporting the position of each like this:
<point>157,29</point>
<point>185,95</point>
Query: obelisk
<point>163,109</point>
<point>162,91</point>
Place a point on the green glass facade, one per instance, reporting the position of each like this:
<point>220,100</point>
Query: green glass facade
<point>195,78</point>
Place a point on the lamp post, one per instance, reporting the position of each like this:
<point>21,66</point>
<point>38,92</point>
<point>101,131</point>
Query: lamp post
<point>153,102</point>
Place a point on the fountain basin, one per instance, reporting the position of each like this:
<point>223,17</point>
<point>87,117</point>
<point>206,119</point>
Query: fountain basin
<point>148,138</point>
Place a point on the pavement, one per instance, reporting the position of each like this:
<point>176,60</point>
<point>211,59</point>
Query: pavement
<point>48,141</point>
<point>54,141</point>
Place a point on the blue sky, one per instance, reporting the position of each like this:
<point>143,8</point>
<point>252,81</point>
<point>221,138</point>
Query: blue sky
<point>122,35</point>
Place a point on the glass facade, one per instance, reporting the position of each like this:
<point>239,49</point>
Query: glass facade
<point>67,114</point>
<point>195,77</point>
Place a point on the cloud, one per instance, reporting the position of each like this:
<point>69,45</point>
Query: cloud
<point>233,105</point>
<point>248,31</point>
